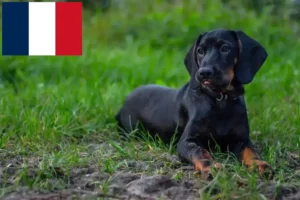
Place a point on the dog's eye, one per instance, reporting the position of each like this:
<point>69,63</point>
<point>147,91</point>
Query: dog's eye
<point>225,48</point>
<point>200,51</point>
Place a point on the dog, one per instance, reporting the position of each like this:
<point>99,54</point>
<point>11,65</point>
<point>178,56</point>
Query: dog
<point>209,110</point>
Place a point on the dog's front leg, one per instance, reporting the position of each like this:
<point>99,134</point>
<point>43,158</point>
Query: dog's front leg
<point>247,155</point>
<point>190,150</point>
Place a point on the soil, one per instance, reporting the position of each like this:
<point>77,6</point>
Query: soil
<point>129,183</point>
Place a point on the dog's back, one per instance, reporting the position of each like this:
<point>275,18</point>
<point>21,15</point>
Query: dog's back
<point>151,105</point>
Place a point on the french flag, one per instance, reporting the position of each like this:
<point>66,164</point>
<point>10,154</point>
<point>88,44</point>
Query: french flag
<point>42,28</point>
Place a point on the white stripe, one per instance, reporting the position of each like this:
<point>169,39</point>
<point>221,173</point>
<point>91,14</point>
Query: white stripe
<point>41,28</point>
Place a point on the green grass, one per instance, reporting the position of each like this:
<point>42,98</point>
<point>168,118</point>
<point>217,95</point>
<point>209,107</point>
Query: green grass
<point>57,113</point>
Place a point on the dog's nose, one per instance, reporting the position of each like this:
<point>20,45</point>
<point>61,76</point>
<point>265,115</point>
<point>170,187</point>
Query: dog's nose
<point>205,73</point>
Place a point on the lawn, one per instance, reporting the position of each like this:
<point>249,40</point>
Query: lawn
<point>58,135</point>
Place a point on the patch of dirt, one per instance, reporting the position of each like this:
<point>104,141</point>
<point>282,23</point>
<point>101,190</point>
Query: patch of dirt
<point>122,186</point>
<point>152,187</point>
<point>132,183</point>
<point>129,186</point>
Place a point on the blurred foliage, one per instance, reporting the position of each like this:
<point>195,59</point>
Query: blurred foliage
<point>173,25</point>
<point>279,7</point>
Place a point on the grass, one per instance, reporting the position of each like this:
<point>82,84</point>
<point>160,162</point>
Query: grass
<point>57,113</point>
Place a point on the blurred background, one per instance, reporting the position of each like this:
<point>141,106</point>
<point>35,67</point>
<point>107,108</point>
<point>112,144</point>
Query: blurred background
<point>174,24</point>
<point>127,43</point>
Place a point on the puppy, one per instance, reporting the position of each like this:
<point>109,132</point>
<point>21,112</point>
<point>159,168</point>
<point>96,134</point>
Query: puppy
<point>210,109</point>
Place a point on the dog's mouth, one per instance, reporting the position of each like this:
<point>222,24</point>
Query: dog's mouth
<point>213,84</point>
<point>216,83</point>
<point>208,83</point>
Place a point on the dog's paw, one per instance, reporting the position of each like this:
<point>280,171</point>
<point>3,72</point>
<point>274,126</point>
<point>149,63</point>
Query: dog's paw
<point>206,169</point>
<point>217,165</point>
<point>202,167</point>
<point>264,169</point>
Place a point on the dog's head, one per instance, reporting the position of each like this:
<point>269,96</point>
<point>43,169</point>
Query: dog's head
<point>220,56</point>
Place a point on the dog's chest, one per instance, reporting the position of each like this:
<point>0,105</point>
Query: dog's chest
<point>217,123</point>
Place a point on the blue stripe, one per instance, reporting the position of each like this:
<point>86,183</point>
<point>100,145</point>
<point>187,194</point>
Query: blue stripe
<point>15,28</point>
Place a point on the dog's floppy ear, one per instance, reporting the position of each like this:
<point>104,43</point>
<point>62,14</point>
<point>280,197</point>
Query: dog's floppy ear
<point>252,57</point>
<point>190,58</point>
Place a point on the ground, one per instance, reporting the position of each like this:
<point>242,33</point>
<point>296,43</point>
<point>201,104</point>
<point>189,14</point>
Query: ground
<point>154,174</point>
<point>58,135</point>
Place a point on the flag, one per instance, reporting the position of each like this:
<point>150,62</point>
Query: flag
<point>42,28</point>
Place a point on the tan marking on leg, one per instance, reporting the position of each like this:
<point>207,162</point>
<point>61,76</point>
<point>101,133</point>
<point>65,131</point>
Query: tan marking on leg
<point>251,159</point>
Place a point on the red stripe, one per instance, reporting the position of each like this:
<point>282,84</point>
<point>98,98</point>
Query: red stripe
<point>68,28</point>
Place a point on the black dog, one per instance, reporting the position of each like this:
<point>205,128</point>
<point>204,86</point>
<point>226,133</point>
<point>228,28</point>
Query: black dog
<point>210,109</point>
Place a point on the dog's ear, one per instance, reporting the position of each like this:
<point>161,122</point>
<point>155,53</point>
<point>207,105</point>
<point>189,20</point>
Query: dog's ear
<point>190,58</point>
<point>252,56</point>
